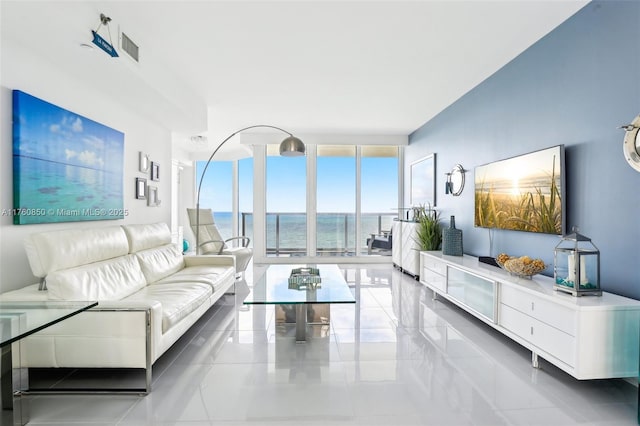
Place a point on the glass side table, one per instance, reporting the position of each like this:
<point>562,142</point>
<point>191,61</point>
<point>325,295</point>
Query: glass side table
<point>17,321</point>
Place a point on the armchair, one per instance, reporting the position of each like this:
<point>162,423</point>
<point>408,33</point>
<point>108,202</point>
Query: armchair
<point>211,242</point>
<point>382,241</point>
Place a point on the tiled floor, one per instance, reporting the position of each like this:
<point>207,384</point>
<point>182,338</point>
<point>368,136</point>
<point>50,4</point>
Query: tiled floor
<point>395,358</point>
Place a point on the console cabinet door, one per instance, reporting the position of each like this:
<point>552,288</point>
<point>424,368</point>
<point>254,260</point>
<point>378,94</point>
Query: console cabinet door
<point>433,273</point>
<point>410,249</point>
<point>553,314</point>
<point>548,338</point>
<point>473,291</point>
<point>396,247</point>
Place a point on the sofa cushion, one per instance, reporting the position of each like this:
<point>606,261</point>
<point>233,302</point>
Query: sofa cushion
<point>215,276</point>
<point>56,250</point>
<point>146,236</point>
<point>177,300</point>
<point>111,279</point>
<point>160,262</point>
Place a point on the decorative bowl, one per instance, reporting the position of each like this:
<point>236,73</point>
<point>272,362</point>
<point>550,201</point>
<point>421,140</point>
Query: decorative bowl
<point>523,266</point>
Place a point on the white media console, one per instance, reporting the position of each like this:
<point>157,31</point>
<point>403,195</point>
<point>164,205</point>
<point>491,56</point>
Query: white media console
<point>589,337</point>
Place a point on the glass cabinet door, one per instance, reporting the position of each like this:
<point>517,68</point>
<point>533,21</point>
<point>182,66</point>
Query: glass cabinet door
<point>477,293</point>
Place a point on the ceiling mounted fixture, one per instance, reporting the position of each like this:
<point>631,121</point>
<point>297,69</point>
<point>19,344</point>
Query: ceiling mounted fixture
<point>103,44</point>
<point>199,140</point>
<point>631,147</point>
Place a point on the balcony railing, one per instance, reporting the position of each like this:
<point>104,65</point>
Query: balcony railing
<point>335,232</point>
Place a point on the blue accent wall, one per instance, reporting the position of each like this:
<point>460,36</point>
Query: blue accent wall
<point>575,87</point>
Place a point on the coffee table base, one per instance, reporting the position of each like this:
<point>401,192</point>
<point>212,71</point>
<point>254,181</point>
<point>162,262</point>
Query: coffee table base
<point>305,314</point>
<point>301,323</point>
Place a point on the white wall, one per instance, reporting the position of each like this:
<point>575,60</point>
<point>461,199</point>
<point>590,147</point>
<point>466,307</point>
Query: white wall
<point>183,195</point>
<point>22,70</point>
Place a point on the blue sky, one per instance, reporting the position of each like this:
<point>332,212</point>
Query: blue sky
<point>286,185</point>
<point>46,131</point>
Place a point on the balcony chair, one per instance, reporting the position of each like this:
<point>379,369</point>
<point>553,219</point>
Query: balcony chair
<point>382,241</point>
<point>211,241</point>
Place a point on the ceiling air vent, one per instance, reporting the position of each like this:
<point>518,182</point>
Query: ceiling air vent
<point>127,45</point>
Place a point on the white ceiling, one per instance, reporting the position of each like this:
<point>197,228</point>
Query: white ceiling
<point>359,67</point>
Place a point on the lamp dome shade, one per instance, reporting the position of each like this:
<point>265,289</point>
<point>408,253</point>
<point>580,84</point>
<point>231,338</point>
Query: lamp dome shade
<point>292,147</point>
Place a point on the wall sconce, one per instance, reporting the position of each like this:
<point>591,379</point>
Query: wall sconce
<point>455,181</point>
<point>631,145</point>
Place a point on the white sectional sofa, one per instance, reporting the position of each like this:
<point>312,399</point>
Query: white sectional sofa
<point>149,294</point>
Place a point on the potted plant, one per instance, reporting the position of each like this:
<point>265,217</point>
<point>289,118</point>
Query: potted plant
<point>429,232</point>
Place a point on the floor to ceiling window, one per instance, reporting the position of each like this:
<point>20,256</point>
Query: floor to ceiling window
<point>286,204</point>
<point>232,205</point>
<point>336,200</point>
<point>378,190</point>
<point>326,203</point>
<point>217,193</point>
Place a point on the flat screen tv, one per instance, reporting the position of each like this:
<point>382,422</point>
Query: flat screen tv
<point>523,193</point>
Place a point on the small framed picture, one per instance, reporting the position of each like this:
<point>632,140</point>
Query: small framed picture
<point>144,162</point>
<point>152,196</point>
<point>155,171</point>
<point>423,181</point>
<point>141,188</point>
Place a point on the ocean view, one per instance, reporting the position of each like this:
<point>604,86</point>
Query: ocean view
<point>331,228</point>
<point>50,191</point>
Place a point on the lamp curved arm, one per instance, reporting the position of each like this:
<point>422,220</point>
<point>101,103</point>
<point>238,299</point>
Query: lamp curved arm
<point>204,171</point>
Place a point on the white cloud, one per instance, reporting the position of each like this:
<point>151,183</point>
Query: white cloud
<point>76,126</point>
<point>93,142</point>
<point>70,153</point>
<point>54,128</point>
<point>90,158</point>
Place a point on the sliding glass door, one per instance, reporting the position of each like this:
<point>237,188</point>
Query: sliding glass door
<point>217,193</point>
<point>286,204</point>
<point>336,200</point>
<point>378,191</point>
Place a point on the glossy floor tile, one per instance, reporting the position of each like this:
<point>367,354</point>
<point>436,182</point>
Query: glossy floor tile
<point>396,357</point>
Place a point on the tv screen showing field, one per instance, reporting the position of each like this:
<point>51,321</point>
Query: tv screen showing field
<point>523,193</point>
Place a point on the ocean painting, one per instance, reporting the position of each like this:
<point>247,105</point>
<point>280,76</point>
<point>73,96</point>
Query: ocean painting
<point>66,167</point>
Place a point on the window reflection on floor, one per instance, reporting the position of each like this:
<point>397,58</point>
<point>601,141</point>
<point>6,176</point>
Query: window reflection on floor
<point>396,357</point>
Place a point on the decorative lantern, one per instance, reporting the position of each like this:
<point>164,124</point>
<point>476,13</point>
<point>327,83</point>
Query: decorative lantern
<point>576,265</point>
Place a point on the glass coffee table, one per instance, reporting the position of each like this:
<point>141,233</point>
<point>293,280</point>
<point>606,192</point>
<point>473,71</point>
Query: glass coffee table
<point>17,321</point>
<point>275,288</point>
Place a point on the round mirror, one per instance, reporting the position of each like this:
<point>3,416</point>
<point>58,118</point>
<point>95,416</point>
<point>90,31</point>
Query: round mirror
<point>631,145</point>
<point>456,182</point>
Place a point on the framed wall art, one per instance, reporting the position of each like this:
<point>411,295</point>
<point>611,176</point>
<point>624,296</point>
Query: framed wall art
<point>66,167</point>
<point>144,162</point>
<point>152,196</point>
<point>141,188</point>
<point>155,171</point>
<point>423,181</point>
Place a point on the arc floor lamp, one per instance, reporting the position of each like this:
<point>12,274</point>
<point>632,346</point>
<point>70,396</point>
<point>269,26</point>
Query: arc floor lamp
<point>291,146</point>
